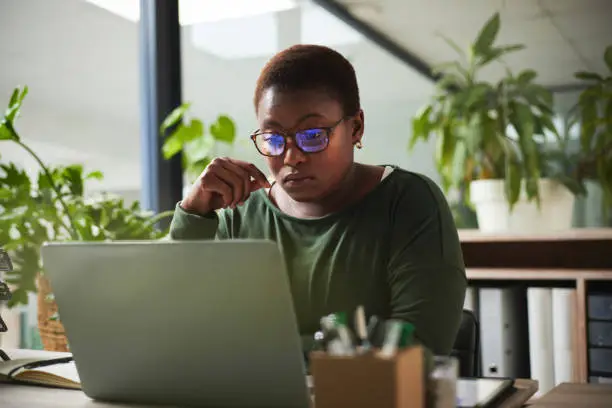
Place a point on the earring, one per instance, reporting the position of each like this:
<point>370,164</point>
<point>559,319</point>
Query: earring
<point>358,144</point>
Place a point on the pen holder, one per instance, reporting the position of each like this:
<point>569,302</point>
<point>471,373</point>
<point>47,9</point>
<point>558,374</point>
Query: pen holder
<point>367,381</point>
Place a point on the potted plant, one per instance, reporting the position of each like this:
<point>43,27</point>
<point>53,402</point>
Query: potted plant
<point>492,140</point>
<point>52,207</point>
<point>594,114</point>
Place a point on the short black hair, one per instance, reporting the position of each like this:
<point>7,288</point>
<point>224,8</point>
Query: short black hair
<point>304,67</point>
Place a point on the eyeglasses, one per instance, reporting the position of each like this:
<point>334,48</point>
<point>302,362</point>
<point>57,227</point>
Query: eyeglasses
<point>274,144</point>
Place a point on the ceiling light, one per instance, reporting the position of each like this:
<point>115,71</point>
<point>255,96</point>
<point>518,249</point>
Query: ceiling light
<point>263,35</point>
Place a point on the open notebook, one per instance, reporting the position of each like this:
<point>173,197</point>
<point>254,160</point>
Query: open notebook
<point>53,372</point>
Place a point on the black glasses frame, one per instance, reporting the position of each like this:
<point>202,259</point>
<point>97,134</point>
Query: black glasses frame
<point>286,135</point>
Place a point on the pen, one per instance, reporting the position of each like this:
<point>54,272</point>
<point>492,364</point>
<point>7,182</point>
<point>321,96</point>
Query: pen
<point>45,363</point>
<point>374,334</point>
<point>362,332</point>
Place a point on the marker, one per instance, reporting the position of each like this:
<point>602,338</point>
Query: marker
<point>392,338</point>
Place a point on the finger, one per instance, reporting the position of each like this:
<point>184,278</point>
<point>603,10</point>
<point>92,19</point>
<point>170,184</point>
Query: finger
<point>217,185</point>
<point>234,180</point>
<point>242,193</point>
<point>253,172</point>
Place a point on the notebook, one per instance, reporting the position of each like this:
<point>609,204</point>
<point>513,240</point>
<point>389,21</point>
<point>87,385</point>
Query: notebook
<point>52,372</point>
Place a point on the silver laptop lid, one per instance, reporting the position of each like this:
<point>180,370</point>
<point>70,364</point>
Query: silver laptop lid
<point>208,323</point>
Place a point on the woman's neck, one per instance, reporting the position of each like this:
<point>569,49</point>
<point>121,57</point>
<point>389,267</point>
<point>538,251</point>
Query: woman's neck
<point>357,182</point>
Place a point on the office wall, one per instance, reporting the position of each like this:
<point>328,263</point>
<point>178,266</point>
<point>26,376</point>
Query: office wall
<point>81,64</point>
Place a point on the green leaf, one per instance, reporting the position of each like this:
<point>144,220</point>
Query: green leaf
<point>608,117</point>
<point>604,174</point>
<point>451,67</point>
<point>539,96</point>
<point>447,145</point>
<point>94,175</point>
<point>223,129</point>
<point>532,189</point>
<point>449,81</point>
<point>23,94</point>
<point>576,187</point>
<point>548,124</point>
<point>199,149</point>
<point>182,135</point>
<point>420,126</point>
<point>459,164</point>
<point>486,36</point>
<point>14,97</point>
<point>174,117</point>
<point>73,178</point>
<point>523,120</point>
<point>527,76</point>
<point>196,130</point>
<point>524,124</point>
<point>608,57</point>
<point>6,133</point>
<point>588,76</point>
<point>495,53</point>
<point>472,135</point>
<point>477,95</point>
<point>588,113</point>
<point>512,182</point>
<point>453,45</point>
<point>18,297</point>
<point>15,103</point>
<point>172,145</point>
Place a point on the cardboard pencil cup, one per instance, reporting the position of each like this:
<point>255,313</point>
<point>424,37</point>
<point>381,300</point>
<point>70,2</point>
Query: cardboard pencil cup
<point>367,381</point>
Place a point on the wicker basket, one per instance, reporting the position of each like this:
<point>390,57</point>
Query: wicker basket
<point>51,331</point>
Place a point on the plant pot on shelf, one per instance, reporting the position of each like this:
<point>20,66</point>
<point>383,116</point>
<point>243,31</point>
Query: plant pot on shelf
<point>494,215</point>
<point>52,333</point>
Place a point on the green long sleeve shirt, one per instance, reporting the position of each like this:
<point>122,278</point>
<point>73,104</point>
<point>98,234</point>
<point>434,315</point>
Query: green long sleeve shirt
<point>396,251</point>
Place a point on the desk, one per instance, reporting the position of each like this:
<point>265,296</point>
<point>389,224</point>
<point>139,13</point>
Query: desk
<point>14,395</point>
<point>573,395</point>
<point>19,396</point>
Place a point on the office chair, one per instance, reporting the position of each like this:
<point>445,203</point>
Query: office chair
<point>467,346</point>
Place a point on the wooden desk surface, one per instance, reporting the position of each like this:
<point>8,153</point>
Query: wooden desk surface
<point>573,395</point>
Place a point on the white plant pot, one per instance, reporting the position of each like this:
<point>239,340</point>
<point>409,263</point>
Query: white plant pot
<point>492,209</point>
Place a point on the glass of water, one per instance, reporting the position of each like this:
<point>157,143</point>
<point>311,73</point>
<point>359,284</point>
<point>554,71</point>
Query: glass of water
<point>444,381</point>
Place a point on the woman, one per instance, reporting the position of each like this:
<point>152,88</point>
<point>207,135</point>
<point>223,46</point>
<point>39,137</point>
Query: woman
<point>352,234</point>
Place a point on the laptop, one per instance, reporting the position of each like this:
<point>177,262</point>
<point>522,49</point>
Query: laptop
<point>182,323</point>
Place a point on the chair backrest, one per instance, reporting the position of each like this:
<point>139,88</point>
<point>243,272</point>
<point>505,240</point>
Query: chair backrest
<point>467,346</point>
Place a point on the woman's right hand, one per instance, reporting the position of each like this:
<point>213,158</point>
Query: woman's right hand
<point>225,182</point>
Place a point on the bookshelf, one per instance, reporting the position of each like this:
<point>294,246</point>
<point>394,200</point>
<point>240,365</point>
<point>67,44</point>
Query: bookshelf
<point>579,257</point>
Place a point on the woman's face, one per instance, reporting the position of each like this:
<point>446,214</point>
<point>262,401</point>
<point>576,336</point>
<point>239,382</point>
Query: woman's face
<point>308,177</point>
